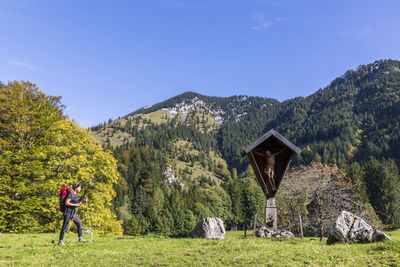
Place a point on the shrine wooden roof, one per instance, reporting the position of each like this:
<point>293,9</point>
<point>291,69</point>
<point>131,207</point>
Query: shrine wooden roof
<point>267,135</point>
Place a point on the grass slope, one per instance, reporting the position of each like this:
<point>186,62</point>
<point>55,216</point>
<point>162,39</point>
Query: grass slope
<point>38,249</point>
<point>196,170</point>
<point>115,131</point>
<point>112,131</point>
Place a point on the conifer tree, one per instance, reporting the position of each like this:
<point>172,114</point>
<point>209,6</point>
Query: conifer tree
<point>383,183</point>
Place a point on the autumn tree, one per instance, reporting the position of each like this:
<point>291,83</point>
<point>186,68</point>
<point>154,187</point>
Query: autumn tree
<point>40,151</point>
<point>331,193</point>
<point>318,193</point>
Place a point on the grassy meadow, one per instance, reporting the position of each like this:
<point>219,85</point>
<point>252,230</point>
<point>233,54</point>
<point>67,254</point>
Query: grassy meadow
<point>105,250</point>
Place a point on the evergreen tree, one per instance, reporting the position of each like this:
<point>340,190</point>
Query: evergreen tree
<point>383,183</point>
<point>356,174</point>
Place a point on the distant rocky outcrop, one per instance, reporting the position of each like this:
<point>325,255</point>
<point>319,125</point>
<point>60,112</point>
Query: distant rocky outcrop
<point>170,179</point>
<point>348,228</point>
<point>267,232</point>
<point>212,228</point>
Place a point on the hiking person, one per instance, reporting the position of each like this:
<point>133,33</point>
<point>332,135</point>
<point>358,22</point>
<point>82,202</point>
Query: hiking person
<point>71,204</point>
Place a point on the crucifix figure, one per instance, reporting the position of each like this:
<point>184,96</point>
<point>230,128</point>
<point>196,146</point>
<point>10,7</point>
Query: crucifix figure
<point>269,168</point>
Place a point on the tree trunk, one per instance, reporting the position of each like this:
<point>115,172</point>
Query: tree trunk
<point>301,227</point>
<point>321,231</point>
<point>245,227</point>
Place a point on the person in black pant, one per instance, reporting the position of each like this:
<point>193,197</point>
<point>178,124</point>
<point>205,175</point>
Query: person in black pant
<point>71,204</point>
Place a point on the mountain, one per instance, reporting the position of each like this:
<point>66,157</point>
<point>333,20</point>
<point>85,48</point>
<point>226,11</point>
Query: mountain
<point>181,161</point>
<point>354,117</point>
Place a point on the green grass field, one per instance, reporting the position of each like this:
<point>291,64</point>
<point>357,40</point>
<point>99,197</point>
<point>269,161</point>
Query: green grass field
<point>38,250</point>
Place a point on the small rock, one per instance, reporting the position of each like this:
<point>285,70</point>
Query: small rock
<point>264,231</point>
<point>379,236</point>
<point>286,233</point>
<point>209,228</point>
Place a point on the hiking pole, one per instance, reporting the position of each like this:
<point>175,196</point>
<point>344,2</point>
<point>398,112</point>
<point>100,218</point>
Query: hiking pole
<point>90,225</point>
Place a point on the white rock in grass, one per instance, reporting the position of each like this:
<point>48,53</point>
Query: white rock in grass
<point>267,232</point>
<point>212,228</point>
<point>349,228</point>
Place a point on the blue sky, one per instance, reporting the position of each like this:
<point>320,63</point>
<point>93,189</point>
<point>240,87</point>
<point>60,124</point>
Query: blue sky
<point>109,58</point>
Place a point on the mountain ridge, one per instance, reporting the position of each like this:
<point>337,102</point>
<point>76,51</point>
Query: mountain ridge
<point>379,67</point>
<point>333,125</point>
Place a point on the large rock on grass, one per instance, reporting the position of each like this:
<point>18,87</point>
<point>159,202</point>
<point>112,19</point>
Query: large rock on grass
<point>349,228</point>
<point>267,232</point>
<point>209,228</point>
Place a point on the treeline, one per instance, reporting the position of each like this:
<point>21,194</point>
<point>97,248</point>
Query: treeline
<point>316,193</point>
<point>146,204</point>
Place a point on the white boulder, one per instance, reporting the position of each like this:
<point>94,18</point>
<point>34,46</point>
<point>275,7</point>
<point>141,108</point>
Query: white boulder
<point>212,228</point>
<point>349,228</point>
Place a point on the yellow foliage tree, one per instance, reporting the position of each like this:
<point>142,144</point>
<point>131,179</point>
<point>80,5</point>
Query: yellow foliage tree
<point>41,151</point>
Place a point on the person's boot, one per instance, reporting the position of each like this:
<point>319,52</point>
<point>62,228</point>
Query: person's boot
<point>61,243</point>
<point>82,240</point>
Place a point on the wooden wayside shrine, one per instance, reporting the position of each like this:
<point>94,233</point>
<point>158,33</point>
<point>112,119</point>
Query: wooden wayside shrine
<point>270,156</point>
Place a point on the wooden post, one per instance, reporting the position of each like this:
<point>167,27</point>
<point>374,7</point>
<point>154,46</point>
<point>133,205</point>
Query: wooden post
<point>301,227</point>
<point>245,222</point>
<point>255,225</point>
<point>270,213</point>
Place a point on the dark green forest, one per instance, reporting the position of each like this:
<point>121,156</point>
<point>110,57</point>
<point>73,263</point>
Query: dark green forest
<point>352,124</point>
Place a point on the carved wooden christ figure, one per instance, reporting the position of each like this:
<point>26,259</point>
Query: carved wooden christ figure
<point>269,168</point>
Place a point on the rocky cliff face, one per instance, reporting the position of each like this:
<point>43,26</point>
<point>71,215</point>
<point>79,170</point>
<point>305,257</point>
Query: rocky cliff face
<point>170,179</point>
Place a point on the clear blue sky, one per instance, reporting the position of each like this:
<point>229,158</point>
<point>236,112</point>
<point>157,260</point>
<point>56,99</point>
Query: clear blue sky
<point>109,58</point>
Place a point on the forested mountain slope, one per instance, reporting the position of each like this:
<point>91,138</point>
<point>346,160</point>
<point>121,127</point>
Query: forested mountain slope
<point>196,141</point>
<point>354,117</point>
